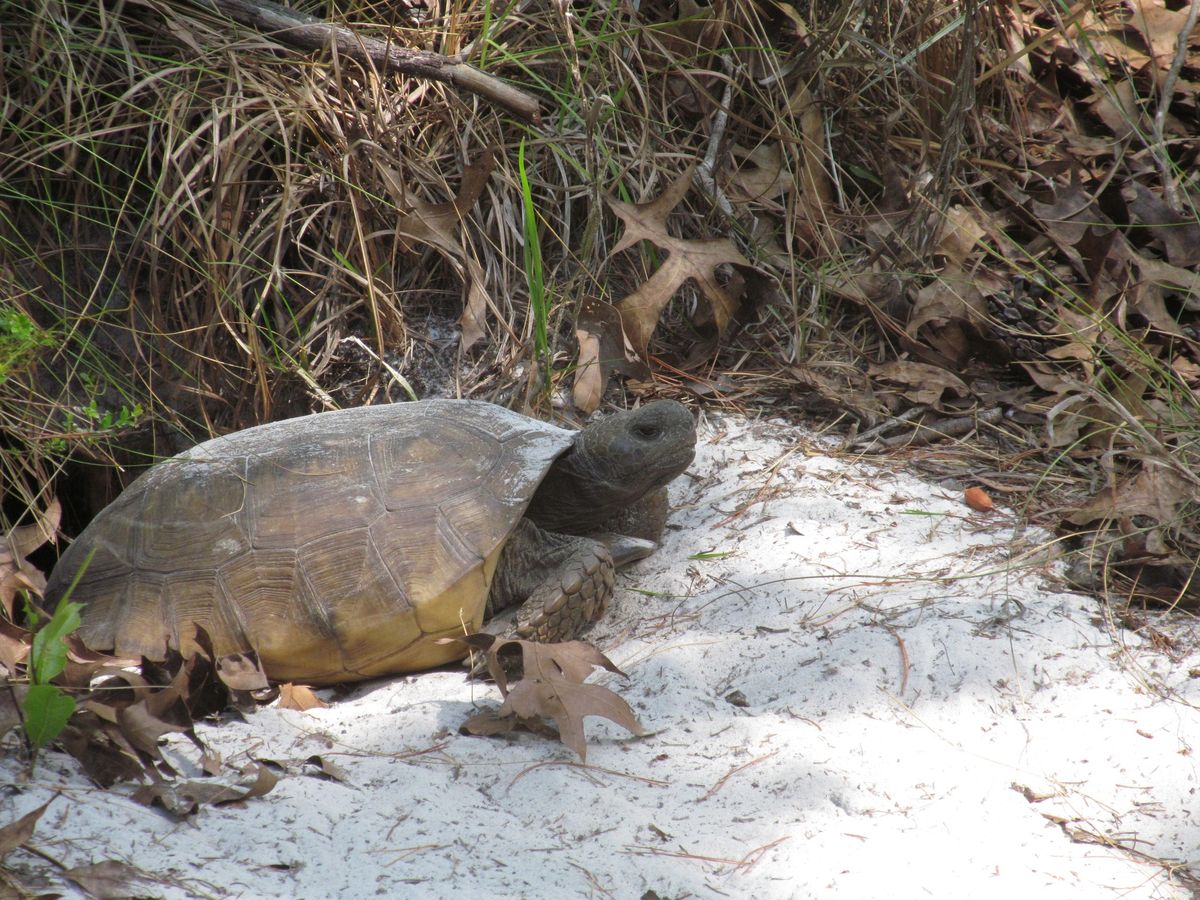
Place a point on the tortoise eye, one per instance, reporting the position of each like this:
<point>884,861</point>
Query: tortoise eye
<point>646,430</point>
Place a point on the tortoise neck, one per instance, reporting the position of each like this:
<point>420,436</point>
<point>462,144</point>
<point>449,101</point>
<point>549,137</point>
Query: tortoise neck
<point>574,498</point>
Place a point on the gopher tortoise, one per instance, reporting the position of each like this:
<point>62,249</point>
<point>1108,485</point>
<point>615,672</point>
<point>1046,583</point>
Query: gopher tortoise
<point>342,545</point>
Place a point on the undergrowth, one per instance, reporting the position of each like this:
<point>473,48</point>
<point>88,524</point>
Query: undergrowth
<point>943,214</point>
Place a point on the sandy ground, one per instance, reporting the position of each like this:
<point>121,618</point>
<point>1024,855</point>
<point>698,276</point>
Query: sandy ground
<point>855,687</point>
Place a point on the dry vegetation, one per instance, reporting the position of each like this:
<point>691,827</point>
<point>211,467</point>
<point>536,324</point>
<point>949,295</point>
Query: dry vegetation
<point>966,230</point>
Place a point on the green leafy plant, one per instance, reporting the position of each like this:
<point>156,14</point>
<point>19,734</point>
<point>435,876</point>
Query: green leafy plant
<point>47,707</point>
<point>20,337</point>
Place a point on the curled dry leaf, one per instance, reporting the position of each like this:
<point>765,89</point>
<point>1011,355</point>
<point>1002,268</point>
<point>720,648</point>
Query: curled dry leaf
<point>602,350</point>
<point>762,175</point>
<point>183,798</point>
<point>242,672</point>
<point>944,310</point>
<point>16,573</point>
<point>589,372</point>
<point>978,499</point>
<point>15,642</point>
<point>300,697</point>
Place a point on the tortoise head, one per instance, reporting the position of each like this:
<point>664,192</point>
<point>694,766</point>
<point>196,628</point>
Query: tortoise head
<point>613,464</point>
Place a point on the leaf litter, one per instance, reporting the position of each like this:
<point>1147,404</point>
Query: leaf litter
<point>834,696</point>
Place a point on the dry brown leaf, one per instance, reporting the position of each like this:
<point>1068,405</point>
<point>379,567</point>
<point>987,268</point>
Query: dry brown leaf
<point>551,687</point>
<point>765,178</point>
<point>694,259</point>
<point>952,297</point>
<point>567,703</point>
<point>1180,236</point>
<point>242,672</point>
<point>326,769</point>
<point>83,663</point>
<point>111,880</point>
<point>1076,419</point>
<point>589,379</point>
<point>923,383</point>
<point>183,798</point>
<point>602,349</point>
<point>439,226</point>
<point>14,647</point>
<point>14,834</point>
<point>1172,278</point>
<point>300,697</point>
<point>25,539</point>
<point>1161,28</point>
<point>947,314</point>
<point>159,713</point>
<point>815,198</point>
<point>977,498</point>
<point>961,232</point>
<point>573,660</point>
<point>17,574</point>
<point>1156,492</point>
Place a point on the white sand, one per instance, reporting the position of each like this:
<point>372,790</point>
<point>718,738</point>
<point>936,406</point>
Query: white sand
<point>907,683</point>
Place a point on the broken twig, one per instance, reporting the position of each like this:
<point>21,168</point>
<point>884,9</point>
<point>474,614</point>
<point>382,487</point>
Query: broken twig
<point>305,32</point>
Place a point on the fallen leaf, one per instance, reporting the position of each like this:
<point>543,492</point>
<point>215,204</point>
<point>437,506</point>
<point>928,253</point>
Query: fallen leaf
<point>922,382</point>
<point>942,309</point>
<point>242,672</point>
<point>327,769</point>
<point>14,647</point>
<point>977,498</point>
<point>1161,27</point>
<point>111,880</point>
<point>1156,492</point>
<point>602,349</point>
<point>14,834</point>
<point>299,696</point>
<point>764,178</point>
<point>17,574</point>
<point>815,199</point>
<point>589,374</point>
<point>184,798</point>
<point>551,686</point>
<point>1180,236</point>
<point>686,259</point>
<point>567,703</point>
<point>960,233</point>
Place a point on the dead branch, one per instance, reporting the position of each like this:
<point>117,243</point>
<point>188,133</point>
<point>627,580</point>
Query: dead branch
<point>305,32</point>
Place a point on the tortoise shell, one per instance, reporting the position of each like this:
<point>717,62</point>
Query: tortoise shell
<point>337,546</point>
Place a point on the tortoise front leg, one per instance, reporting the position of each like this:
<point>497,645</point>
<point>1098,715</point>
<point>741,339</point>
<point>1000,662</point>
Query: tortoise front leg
<point>557,583</point>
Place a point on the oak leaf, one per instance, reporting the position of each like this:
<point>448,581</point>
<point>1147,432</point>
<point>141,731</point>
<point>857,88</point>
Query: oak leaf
<point>686,259</point>
<point>550,686</point>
